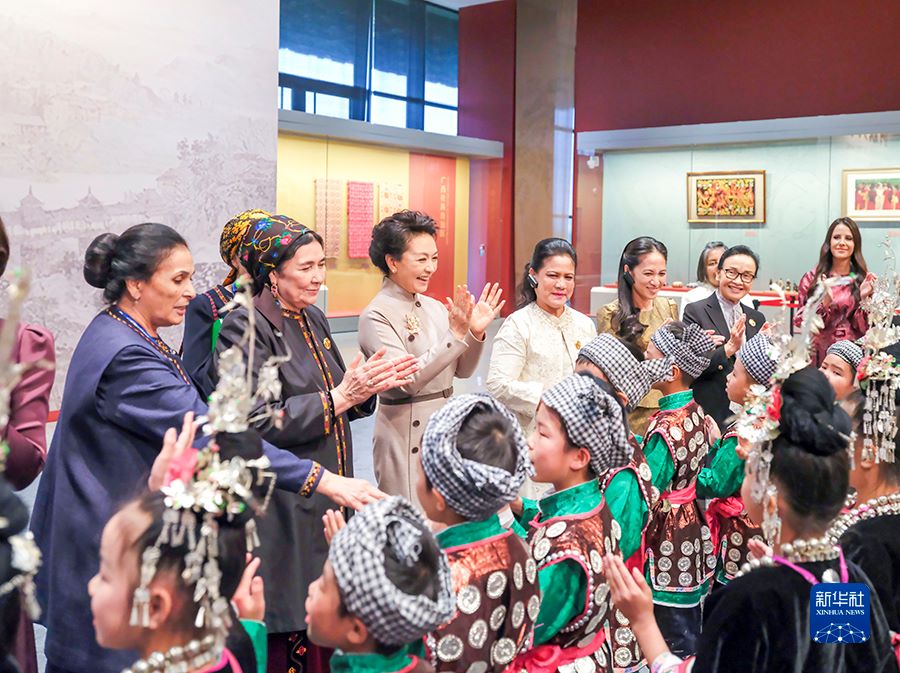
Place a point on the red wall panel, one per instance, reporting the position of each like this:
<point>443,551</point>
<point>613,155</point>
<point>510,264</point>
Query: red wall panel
<point>643,63</point>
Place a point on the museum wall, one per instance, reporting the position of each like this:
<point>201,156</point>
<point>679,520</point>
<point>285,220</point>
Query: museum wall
<point>118,114</point>
<point>645,192</point>
<point>343,189</point>
<point>662,63</point>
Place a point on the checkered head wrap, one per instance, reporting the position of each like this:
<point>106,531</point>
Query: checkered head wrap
<point>622,369</point>
<point>232,235</point>
<point>592,419</point>
<point>472,489</point>
<point>848,351</point>
<point>689,351</point>
<point>756,356</point>
<point>357,554</point>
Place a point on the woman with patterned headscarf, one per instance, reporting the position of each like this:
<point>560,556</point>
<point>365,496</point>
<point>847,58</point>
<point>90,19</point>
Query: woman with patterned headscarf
<point>319,397</point>
<point>205,313</point>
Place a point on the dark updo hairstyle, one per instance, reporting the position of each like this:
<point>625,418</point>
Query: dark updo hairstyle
<point>391,236</point>
<point>626,321</point>
<point>704,254</point>
<point>136,254</point>
<point>4,248</point>
<point>544,250</point>
<point>261,278</point>
<point>810,458</point>
<point>422,578</point>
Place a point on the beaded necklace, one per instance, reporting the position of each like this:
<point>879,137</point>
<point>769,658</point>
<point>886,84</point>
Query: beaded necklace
<point>804,551</point>
<point>161,346</point>
<point>885,505</point>
<point>196,655</point>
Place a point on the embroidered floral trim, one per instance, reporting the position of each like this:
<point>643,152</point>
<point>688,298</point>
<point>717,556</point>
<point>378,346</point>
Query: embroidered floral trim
<point>326,414</point>
<point>311,480</point>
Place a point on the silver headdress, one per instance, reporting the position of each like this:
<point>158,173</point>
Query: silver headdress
<point>203,488</point>
<point>879,372</point>
<point>759,420</point>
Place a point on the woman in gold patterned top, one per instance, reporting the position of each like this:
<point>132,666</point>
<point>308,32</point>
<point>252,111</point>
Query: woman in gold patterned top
<point>639,311</point>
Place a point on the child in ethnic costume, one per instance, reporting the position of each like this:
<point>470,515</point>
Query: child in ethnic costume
<point>171,561</point>
<point>869,532</point>
<point>839,366</point>
<point>729,524</point>
<point>627,490</point>
<point>474,460</point>
<point>679,558</point>
<point>385,585</point>
<point>796,483</point>
<point>580,432</point>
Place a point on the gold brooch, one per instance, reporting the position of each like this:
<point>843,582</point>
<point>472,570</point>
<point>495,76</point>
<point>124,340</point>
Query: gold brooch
<point>578,345</point>
<point>413,326</point>
<point>327,343</point>
<point>752,322</point>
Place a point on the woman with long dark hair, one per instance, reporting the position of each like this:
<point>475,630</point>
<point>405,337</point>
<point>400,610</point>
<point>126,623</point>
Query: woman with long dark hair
<point>639,310</point>
<point>537,345</point>
<point>841,255</point>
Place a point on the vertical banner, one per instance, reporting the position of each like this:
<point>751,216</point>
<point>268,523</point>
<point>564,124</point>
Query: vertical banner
<point>360,218</point>
<point>329,212</point>
<point>432,190</point>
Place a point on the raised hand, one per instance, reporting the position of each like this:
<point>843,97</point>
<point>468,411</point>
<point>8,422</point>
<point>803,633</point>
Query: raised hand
<point>737,337</point>
<point>333,522</point>
<point>486,309</point>
<point>249,598</point>
<point>459,310</point>
<point>867,287</point>
<point>374,376</point>
<point>174,446</point>
<point>630,592</point>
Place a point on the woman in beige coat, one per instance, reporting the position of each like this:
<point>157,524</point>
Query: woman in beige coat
<point>446,338</point>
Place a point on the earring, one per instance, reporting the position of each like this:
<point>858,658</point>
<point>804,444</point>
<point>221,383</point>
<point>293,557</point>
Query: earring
<point>771,523</point>
<point>274,290</point>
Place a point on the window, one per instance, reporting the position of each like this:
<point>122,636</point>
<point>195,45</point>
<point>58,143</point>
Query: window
<point>390,62</point>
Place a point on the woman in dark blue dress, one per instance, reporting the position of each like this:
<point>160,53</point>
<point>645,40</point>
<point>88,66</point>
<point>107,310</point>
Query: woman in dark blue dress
<point>206,311</point>
<point>125,387</point>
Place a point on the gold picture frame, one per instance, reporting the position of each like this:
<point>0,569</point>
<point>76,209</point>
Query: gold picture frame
<point>871,194</point>
<point>721,197</point>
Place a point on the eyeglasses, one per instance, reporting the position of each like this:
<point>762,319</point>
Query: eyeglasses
<point>733,274</point>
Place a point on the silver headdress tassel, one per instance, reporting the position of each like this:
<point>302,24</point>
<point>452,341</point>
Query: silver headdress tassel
<point>203,488</point>
<point>26,556</point>
<point>879,372</point>
<point>758,421</point>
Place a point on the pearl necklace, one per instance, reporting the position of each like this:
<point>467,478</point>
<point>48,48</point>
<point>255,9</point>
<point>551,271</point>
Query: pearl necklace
<point>884,505</point>
<point>800,551</point>
<point>196,655</point>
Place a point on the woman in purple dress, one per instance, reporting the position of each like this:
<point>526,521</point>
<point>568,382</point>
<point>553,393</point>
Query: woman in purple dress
<point>844,318</point>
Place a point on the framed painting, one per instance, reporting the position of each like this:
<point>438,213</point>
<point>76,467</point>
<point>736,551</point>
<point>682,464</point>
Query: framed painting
<point>872,194</point>
<point>732,196</point>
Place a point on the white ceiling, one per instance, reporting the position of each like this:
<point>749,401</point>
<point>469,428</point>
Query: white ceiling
<point>459,4</point>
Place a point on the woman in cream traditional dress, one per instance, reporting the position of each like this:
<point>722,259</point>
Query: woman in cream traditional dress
<point>536,347</point>
<point>445,338</point>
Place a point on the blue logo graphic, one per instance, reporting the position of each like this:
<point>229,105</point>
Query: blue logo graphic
<point>839,613</point>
